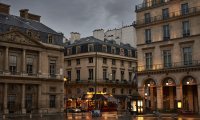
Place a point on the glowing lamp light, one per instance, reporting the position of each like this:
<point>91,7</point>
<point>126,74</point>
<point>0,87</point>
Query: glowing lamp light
<point>148,85</point>
<point>145,94</point>
<point>179,104</point>
<point>167,83</point>
<point>188,82</point>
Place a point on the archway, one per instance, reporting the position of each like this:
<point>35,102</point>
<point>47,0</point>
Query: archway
<point>169,94</point>
<point>150,95</point>
<point>190,94</point>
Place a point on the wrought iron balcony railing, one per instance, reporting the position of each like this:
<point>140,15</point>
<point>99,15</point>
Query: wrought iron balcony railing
<point>152,3</point>
<point>169,66</point>
<point>169,16</point>
<point>120,82</point>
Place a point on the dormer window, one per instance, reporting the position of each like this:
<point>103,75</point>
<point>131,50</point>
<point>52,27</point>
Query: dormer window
<point>90,48</point>
<point>69,51</point>
<point>129,53</point>
<point>78,49</point>
<point>104,48</point>
<point>122,51</point>
<point>50,39</point>
<point>29,33</point>
<point>113,50</point>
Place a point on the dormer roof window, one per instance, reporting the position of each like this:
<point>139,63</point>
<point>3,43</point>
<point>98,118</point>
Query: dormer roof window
<point>50,39</point>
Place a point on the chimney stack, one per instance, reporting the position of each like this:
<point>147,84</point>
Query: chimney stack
<point>4,8</point>
<point>75,36</point>
<point>25,14</point>
<point>98,34</point>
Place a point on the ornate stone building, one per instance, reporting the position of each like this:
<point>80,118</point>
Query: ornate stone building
<point>31,61</point>
<point>168,43</point>
<point>110,64</point>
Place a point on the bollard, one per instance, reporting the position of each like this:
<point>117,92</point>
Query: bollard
<point>4,116</point>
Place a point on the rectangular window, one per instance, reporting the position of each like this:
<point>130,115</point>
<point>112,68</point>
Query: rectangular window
<point>113,74</point>
<point>148,36</point>
<point>78,75</point>
<point>113,62</point>
<point>104,48</point>
<point>167,58</point>
<point>104,74</point>
<point>91,89</point>
<point>113,50</point>
<point>90,48</point>
<point>122,75</point>
<point>50,39</point>
<point>69,51</point>
<point>186,29</point>
<point>130,76</point>
<point>130,64</point>
<point>149,61</point>
<point>69,74</point>
<point>91,73</point>
<point>77,61</point>
<point>122,51</point>
<point>90,59</point>
<point>13,64</point>
<point>29,65</point>
<point>104,60</point>
<point>184,9</point>
<point>166,32</point>
<point>122,63</point>
<point>122,91</point>
<point>147,18</point>
<point>52,101</point>
<point>52,68</point>
<point>78,49</point>
<point>165,13</point>
<point>187,55</point>
<point>68,62</point>
<point>129,53</point>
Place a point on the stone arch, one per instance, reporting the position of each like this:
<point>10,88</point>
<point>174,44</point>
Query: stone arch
<point>150,82</point>
<point>168,81</point>
<point>168,76</point>
<point>146,79</point>
<point>190,80</point>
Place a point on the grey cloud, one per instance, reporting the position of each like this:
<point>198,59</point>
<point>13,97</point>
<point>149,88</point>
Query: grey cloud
<point>78,15</point>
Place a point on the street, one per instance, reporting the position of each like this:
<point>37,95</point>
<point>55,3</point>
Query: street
<point>105,116</point>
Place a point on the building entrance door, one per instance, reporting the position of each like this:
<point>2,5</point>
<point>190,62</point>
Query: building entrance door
<point>190,95</point>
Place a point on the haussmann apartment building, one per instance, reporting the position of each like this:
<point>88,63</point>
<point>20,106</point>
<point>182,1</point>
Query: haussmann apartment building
<point>168,33</point>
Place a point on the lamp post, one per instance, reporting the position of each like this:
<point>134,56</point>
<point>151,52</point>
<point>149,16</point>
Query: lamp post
<point>65,91</point>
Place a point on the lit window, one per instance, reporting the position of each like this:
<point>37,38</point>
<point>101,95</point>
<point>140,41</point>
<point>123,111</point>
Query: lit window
<point>50,39</point>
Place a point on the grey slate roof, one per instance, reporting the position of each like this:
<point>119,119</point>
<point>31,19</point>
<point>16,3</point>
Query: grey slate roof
<point>25,23</point>
<point>91,39</point>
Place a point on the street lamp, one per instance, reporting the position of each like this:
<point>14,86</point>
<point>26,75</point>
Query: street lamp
<point>65,80</point>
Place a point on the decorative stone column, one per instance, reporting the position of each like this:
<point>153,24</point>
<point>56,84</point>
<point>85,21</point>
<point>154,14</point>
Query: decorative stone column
<point>152,98</point>
<point>40,63</point>
<point>5,100</point>
<point>6,60</point>
<point>23,99</point>
<point>160,97</point>
<point>171,97</point>
<point>24,61</point>
<point>198,89</point>
<point>40,102</point>
<point>179,93</point>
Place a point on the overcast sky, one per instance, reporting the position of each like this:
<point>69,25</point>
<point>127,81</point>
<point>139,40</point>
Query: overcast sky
<point>81,16</point>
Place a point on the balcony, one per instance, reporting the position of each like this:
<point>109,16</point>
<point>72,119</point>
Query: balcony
<point>176,65</point>
<point>151,4</point>
<point>170,16</point>
<point>101,82</point>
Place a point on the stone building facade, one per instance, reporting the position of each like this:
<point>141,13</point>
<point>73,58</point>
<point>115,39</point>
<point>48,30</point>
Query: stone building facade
<point>168,43</point>
<point>111,63</point>
<point>31,61</point>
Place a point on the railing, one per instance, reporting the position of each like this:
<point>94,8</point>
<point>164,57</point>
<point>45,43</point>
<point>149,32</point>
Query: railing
<point>169,65</point>
<point>168,16</point>
<point>152,3</point>
<point>100,82</point>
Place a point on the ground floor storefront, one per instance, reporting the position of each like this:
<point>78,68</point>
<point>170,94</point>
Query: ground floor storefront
<point>175,93</point>
<point>21,97</point>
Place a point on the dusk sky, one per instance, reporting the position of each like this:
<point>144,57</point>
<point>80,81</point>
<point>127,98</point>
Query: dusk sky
<point>81,16</point>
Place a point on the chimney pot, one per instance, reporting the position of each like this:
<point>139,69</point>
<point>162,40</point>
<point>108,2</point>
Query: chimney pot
<point>4,8</point>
